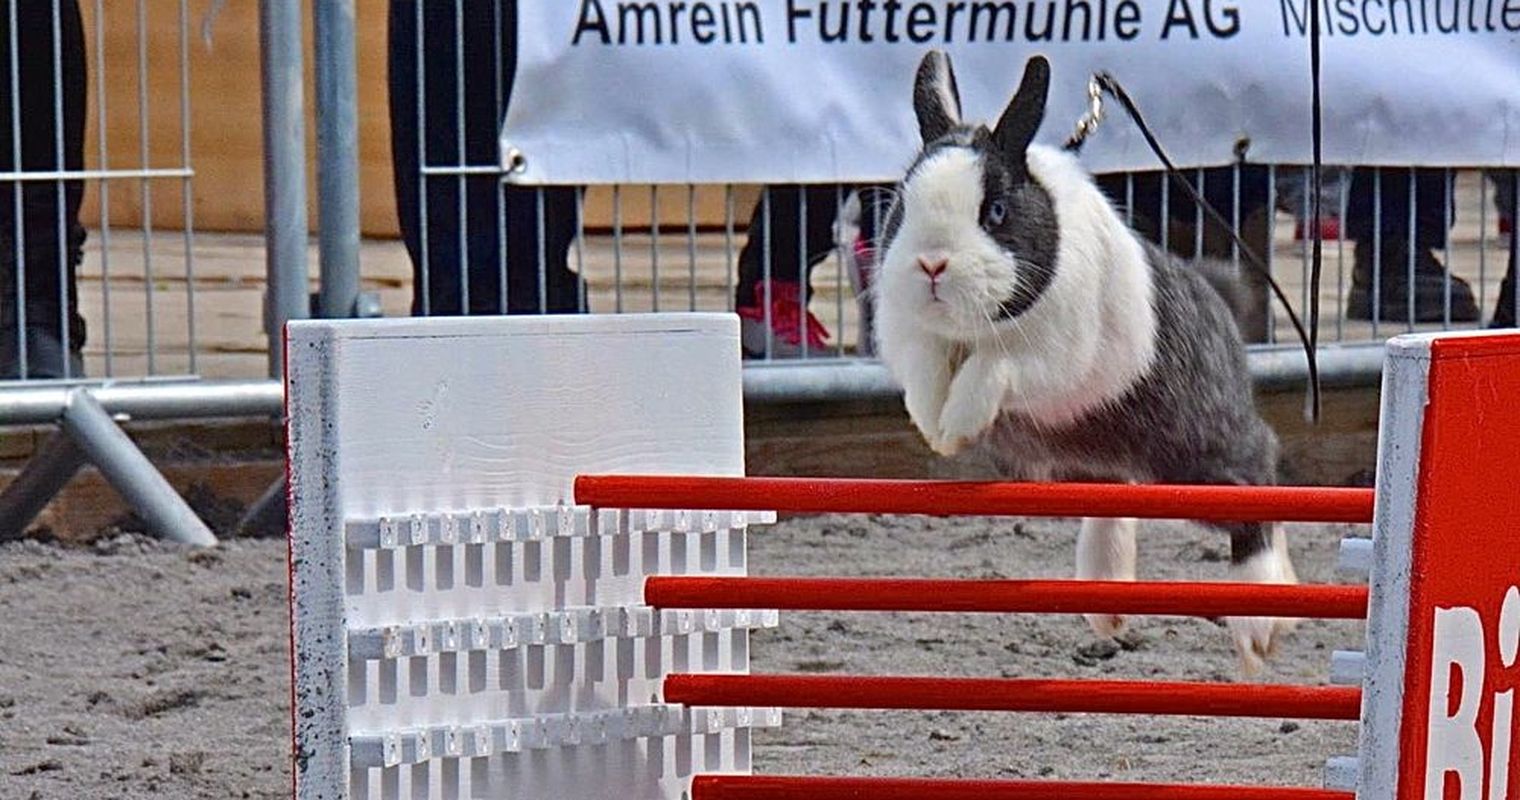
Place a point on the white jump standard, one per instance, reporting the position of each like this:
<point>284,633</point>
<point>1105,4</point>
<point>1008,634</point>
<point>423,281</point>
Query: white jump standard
<point>463,627</point>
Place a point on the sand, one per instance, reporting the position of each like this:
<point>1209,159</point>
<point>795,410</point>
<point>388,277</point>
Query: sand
<point>134,669</point>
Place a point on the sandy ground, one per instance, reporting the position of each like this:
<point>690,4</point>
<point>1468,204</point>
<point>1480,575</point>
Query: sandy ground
<point>132,669</point>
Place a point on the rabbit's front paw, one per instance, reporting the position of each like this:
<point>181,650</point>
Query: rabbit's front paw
<point>970,410</point>
<point>947,447</point>
<point>924,408</point>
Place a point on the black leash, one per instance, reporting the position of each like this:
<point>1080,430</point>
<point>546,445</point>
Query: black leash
<point>1105,83</point>
<point>1314,212</point>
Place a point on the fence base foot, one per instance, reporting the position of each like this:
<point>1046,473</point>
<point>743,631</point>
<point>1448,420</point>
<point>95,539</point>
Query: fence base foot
<point>130,472</point>
<point>267,518</point>
<point>40,480</point>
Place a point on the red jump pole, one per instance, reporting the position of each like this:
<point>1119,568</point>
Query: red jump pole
<point>789,787</point>
<point>1174,598</point>
<point>1017,694</point>
<point>959,498</point>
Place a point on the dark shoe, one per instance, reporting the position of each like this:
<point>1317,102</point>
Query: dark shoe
<point>44,356</point>
<point>1430,288</point>
<point>1504,310</point>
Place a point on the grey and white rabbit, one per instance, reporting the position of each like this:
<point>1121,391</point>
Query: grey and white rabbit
<point>1023,318</point>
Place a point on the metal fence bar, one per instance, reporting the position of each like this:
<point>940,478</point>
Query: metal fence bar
<point>1446,201</point>
<point>592,254</point>
<point>1514,243</point>
<point>654,244</point>
<point>59,199</point>
<point>1129,199</point>
<point>580,256</point>
<point>1340,258</point>
<point>617,248</point>
<point>1277,368</point>
<point>781,381</point>
<point>186,189</point>
<point>691,246</point>
<point>461,182</point>
<point>1166,212</point>
<point>55,175</point>
<point>284,171</point>
<point>1235,216</point>
<point>424,269</point>
<point>337,155</point>
<point>839,276</point>
<point>157,399</point>
<point>105,190</point>
<point>1483,183</point>
<point>461,170</point>
<point>146,187</point>
<point>728,246</point>
<point>499,91</point>
<point>503,283</point>
<point>20,230</point>
<point>765,271</point>
<point>1271,248</point>
<point>1310,228</point>
<point>1412,242</point>
<point>1198,217</point>
<point>543,283</point>
<point>1377,249</point>
<point>802,268</point>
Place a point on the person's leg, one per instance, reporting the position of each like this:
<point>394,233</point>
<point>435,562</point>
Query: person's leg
<point>792,229</point>
<point>459,251</point>
<point>771,277</point>
<point>772,235</point>
<point>1378,211</point>
<point>1504,307</point>
<point>422,118</point>
<point>48,245</point>
<point>541,223</point>
<point>1504,193</point>
<point>541,228</point>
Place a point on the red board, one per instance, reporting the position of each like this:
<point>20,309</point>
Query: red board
<point>1016,694</point>
<point>1179,598</point>
<point>979,498</point>
<point>1460,671</point>
<point>794,787</point>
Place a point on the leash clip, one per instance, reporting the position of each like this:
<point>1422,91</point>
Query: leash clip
<point>1088,123</point>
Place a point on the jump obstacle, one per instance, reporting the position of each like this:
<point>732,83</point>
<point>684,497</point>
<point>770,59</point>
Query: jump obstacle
<point>518,564</point>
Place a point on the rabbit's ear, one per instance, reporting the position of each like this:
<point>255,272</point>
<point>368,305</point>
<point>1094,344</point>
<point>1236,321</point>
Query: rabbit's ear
<point>936,100</point>
<point>1021,120</point>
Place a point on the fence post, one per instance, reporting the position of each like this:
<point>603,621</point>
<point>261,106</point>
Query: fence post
<point>281,63</point>
<point>337,156</point>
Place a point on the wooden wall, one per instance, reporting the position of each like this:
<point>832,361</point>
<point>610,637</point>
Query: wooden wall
<point>225,127</point>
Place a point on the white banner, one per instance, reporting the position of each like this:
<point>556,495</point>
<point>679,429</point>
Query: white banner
<point>710,91</point>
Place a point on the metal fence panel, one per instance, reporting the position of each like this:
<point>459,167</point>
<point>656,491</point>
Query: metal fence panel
<point>1412,249</point>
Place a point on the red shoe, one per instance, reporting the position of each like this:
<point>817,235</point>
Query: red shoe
<point>1329,229</point>
<point>785,312</point>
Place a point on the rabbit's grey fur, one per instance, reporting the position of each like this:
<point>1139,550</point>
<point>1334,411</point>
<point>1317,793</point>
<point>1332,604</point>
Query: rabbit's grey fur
<point>1026,321</point>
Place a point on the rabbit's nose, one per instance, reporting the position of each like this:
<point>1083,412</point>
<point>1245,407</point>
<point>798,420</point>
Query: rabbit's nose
<point>933,267</point>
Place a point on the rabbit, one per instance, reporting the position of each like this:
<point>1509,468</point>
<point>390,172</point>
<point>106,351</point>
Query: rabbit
<point>1025,322</point>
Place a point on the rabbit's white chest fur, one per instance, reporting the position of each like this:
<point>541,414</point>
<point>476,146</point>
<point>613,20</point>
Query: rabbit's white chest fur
<point>1084,342</point>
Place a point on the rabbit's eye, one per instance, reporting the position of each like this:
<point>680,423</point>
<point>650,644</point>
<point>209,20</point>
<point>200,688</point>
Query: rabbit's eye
<point>997,211</point>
